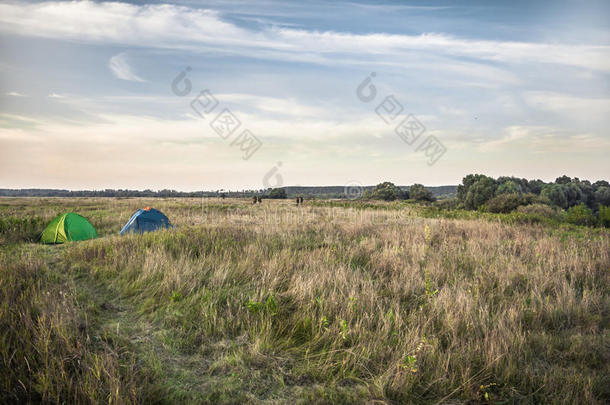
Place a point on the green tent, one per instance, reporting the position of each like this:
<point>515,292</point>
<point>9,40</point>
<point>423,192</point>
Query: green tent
<point>68,227</point>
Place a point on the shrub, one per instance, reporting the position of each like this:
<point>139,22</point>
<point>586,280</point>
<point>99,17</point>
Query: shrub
<point>541,210</point>
<point>447,204</point>
<point>580,215</point>
<point>386,191</point>
<point>604,216</point>
<point>505,203</point>
<point>277,193</point>
<point>419,193</point>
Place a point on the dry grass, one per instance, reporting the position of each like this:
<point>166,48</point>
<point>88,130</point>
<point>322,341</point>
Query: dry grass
<point>274,303</point>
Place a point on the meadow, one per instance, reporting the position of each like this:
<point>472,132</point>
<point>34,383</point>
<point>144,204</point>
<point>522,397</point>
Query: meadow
<point>348,302</point>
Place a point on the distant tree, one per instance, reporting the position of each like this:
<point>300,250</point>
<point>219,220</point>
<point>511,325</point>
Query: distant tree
<point>386,191</point>
<point>602,196</point>
<point>277,193</point>
<point>476,190</point>
<point>574,194</point>
<point>535,186</point>
<point>556,194</point>
<point>509,187</point>
<point>563,180</point>
<point>588,193</point>
<point>418,192</point>
<point>473,198</point>
<point>467,182</point>
<point>516,185</point>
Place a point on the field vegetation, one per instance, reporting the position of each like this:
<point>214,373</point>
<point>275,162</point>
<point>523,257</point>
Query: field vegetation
<point>328,302</point>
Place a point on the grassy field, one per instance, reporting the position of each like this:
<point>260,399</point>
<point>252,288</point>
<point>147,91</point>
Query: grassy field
<point>273,303</point>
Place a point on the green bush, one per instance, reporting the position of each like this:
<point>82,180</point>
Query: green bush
<point>505,203</point>
<point>602,196</point>
<point>508,187</point>
<point>386,191</point>
<point>418,192</point>
<point>277,193</point>
<point>447,204</point>
<point>538,209</point>
<point>478,193</point>
<point>604,216</point>
<point>580,215</point>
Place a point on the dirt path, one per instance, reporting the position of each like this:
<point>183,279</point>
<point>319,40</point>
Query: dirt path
<point>177,375</point>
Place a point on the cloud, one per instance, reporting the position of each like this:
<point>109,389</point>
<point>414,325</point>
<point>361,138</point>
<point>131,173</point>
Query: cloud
<point>178,27</point>
<point>120,67</point>
<point>573,106</point>
<point>540,139</point>
<point>14,94</point>
<point>55,95</point>
<point>187,153</point>
<point>17,122</point>
<point>277,106</point>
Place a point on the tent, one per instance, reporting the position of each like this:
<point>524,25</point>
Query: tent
<point>146,220</point>
<point>68,227</point>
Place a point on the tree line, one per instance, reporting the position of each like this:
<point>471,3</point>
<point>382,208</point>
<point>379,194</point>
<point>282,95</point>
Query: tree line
<point>165,193</point>
<point>388,191</point>
<point>571,199</point>
<point>506,193</point>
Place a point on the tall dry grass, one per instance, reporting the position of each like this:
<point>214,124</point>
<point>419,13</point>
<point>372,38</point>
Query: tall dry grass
<point>274,303</point>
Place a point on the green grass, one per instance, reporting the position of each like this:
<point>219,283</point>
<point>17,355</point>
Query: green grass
<point>274,303</point>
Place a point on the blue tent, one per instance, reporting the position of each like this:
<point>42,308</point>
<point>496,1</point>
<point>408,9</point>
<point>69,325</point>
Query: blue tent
<point>146,219</point>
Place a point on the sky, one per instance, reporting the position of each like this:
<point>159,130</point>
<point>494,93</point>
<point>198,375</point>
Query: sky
<point>207,95</point>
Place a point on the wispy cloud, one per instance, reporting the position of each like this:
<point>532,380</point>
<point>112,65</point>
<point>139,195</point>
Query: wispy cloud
<point>120,67</point>
<point>55,95</point>
<point>14,94</point>
<point>574,106</point>
<point>544,140</point>
<point>177,27</point>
